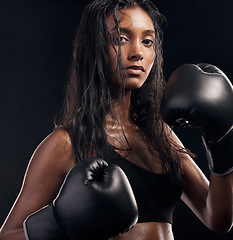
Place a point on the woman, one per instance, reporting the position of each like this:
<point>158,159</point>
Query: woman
<point>112,110</point>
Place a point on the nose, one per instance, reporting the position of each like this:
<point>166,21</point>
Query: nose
<point>135,52</point>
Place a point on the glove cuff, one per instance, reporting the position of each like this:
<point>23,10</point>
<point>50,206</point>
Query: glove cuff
<point>220,155</point>
<point>42,225</point>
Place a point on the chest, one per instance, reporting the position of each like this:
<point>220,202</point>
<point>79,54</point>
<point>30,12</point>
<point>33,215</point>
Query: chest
<point>131,145</point>
<point>156,194</point>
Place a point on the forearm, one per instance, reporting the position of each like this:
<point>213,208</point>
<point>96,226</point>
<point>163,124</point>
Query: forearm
<point>219,205</point>
<point>191,97</point>
<point>12,234</point>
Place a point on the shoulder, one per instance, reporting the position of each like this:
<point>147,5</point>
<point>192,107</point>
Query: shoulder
<point>55,151</point>
<point>188,164</point>
<point>193,176</point>
<point>56,141</point>
<point>44,176</point>
<point>47,168</point>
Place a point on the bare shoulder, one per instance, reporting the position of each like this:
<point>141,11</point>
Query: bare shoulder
<point>55,151</point>
<point>48,166</point>
<point>44,176</point>
<point>187,162</point>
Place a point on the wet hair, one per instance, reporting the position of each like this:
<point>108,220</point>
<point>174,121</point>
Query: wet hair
<point>88,97</point>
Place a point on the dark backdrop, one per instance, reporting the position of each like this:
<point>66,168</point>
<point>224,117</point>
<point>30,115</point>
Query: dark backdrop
<point>35,55</point>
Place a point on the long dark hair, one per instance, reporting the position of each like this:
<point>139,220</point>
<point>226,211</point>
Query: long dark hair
<point>88,97</point>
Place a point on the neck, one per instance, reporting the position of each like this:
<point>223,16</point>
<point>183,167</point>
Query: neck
<point>121,110</point>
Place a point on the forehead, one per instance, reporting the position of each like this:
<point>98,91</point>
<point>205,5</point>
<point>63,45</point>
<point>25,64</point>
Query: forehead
<point>131,17</point>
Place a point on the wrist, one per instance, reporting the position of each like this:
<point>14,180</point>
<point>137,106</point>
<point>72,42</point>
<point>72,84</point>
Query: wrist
<point>42,225</point>
<point>220,155</point>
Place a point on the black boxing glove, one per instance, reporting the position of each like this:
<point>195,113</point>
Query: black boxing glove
<point>95,202</point>
<point>202,96</point>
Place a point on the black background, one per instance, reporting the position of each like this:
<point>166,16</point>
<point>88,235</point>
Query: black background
<point>35,55</point>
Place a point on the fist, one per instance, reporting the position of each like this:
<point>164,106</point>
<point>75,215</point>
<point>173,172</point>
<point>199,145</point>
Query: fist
<point>200,95</point>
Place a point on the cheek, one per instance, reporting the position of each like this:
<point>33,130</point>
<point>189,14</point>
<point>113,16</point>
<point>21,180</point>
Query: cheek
<point>152,55</point>
<point>151,60</point>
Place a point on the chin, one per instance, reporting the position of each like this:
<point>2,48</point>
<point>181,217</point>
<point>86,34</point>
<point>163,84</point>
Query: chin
<point>134,83</point>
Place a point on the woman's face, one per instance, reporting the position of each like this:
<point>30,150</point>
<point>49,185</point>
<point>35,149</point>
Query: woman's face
<point>137,38</point>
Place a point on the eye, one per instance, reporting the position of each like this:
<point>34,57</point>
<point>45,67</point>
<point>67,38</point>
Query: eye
<point>148,42</point>
<point>123,40</point>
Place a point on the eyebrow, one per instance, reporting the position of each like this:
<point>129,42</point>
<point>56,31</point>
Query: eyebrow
<point>127,30</point>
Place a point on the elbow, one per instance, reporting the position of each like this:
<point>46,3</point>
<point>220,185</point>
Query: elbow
<point>3,235</point>
<point>220,220</point>
<point>222,229</point>
<point>221,226</point>
<point>12,233</point>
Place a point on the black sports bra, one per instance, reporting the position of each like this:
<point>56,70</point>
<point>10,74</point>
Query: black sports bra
<point>156,194</point>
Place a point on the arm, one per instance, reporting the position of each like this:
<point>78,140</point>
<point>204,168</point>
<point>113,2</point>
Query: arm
<point>44,176</point>
<point>202,96</point>
<point>210,200</point>
<point>80,204</point>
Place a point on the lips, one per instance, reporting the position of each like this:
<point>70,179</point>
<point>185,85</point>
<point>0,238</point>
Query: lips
<point>135,67</point>
<point>135,70</point>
